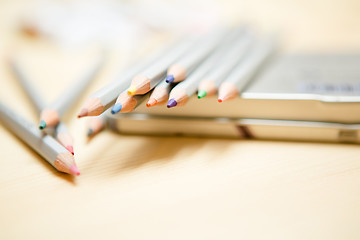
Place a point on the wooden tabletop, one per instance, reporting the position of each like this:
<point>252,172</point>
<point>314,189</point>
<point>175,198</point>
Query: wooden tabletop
<point>137,187</point>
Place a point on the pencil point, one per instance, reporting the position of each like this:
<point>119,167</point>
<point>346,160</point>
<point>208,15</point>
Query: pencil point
<point>70,149</point>
<point>151,102</point>
<point>170,78</point>
<point>74,170</point>
<point>220,100</point>
<point>201,94</point>
<point>83,113</point>
<point>116,108</point>
<point>90,132</point>
<point>131,90</point>
<point>42,125</point>
<point>172,103</point>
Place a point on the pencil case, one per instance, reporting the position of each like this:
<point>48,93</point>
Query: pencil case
<point>305,87</point>
<point>144,124</point>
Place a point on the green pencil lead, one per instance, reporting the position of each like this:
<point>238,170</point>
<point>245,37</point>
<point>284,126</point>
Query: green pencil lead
<point>201,94</point>
<point>42,125</point>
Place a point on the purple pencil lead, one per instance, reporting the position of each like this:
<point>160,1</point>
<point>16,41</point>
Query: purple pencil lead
<point>171,103</point>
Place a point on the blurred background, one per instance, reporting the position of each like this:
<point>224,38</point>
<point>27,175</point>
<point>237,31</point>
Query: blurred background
<point>153,186</point>
<point>65,32</point>
<point>307,24</point>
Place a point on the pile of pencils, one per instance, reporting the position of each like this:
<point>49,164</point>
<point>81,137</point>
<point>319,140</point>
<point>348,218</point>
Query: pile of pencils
<point>222,61</point>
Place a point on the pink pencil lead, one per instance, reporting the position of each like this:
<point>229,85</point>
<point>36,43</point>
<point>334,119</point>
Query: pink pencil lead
<point>74,170</point>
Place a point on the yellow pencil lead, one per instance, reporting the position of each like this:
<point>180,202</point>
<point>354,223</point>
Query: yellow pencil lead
<point>131,90</point>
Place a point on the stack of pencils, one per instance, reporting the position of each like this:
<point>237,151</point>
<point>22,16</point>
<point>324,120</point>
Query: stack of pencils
<point>222,61</point>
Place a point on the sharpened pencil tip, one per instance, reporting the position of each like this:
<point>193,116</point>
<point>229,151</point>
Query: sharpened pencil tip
<point>220,100</point>
<point>131,90</point>
<point>83,112</point>
<point>171,103</point>
<point>70,149</point>
<point>90,132</point>
<point>74,170</point>
<point>170,78</point>
<point>116,108</point>
<point>42,125</point>
<point>201,94</point>
<point>151,102</point>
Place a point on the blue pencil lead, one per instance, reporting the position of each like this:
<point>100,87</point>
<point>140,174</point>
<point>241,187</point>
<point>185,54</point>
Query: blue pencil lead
<point>170,78</point>
<point>116,108</point>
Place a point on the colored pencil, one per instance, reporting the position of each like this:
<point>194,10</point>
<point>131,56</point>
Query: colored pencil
<point>147,79</point>
<point>104,98</point>
<point>127,103</point>
<point>64,137</point>
<point>181,92</point>
<point>212,80</point>
<point>50,115</point>
<point>178,71</point>
<point>96,124</point>
<point>45,145</point>
<point>160,94</point>
<point>61,133</point>
<point>246,69</point>
<point>185,89</point>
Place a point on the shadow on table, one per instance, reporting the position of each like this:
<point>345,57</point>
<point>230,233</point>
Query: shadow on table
<point>131,152</point>
<point>66,177</point>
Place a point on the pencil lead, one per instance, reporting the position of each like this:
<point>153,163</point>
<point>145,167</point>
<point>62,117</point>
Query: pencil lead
<point>170,78</point>
<point>42,125</point>
<point>83,113</point>
<point>131,90</point>
<point>70,149</point>
<point>151,102</point>
<point>220,100</point>
<point>201,94</point>
<point>74,170</point>
<point>116,108</point>
<point>172,103</point>
<point>90,132</point>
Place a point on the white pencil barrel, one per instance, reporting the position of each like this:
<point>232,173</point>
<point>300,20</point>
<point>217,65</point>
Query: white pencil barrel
<point>63,103</point>
<point>191,83</point>
<point>45,145</point>
<point>201,50</point>
<point>31,92</point>
<point>247,69</point>
<point>157,70</point>
<point>230,59</point>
